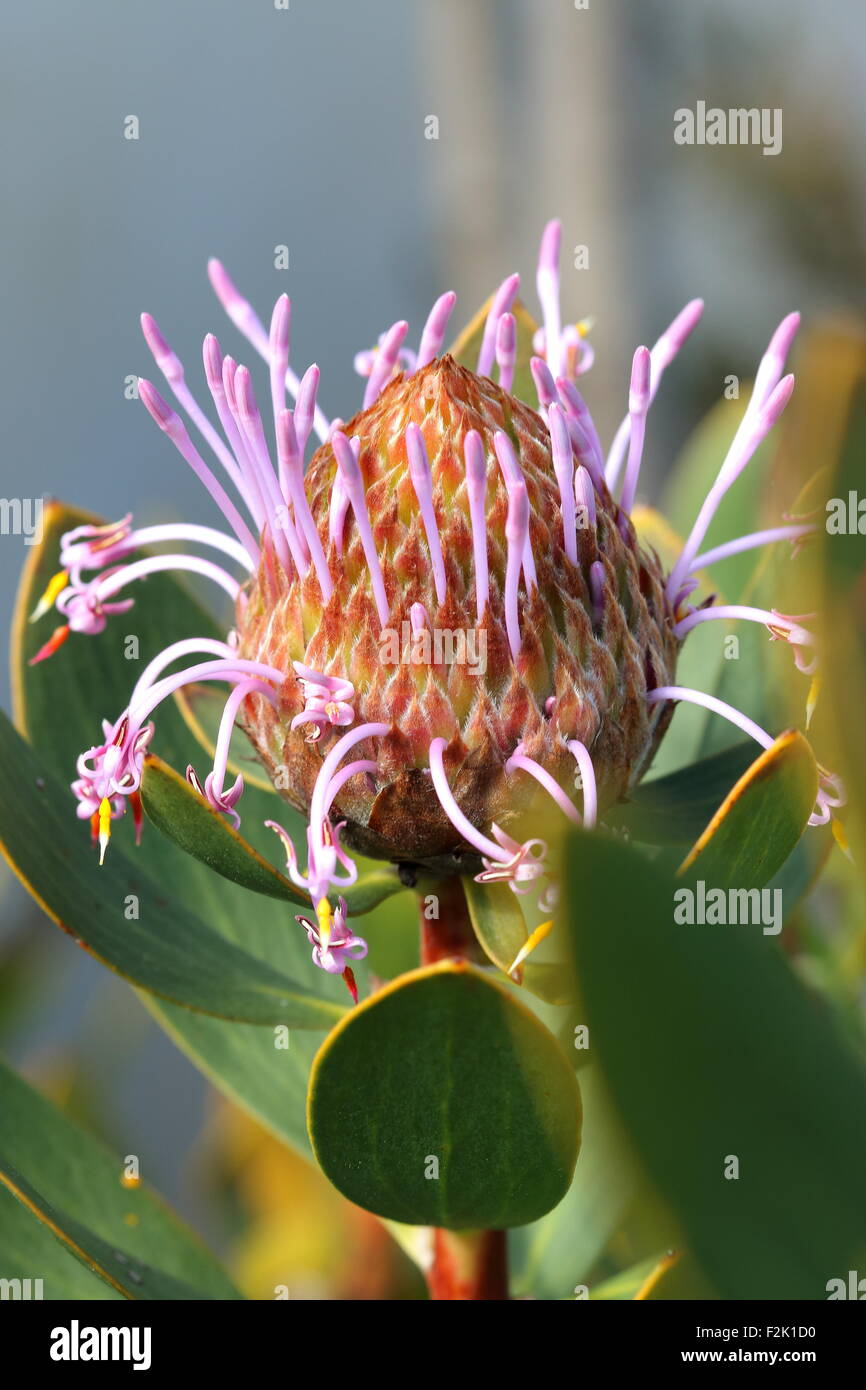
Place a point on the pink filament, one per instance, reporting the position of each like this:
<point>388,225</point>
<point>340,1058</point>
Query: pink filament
<point>519,759</point>
<point>587,780</point>
<point>446,799</point>
<point>353,484</point>
<point>638,405</point>
<point>547,284</point>
<point>422,481</point>
<point>435,328</point>
<point>476,488</point>
<point>750,542</point>
<point>172,425</point>
<point>385,361</point>
<point>563,467</point>
<point>663,352</point>
<point>500,304</point>
<point>716,706</point>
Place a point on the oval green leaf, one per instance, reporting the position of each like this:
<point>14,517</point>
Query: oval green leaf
<point>444,1072</point>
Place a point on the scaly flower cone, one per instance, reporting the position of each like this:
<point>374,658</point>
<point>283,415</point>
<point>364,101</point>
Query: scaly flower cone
<point>596,631</point>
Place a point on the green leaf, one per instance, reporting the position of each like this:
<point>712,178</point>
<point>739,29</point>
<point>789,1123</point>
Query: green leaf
<point>161,945</point>
<point>498,923</point>
<point>71,1207</point>
<point>28,1250</point>
<point>179,812</point>
<point>552,1256</point>
<point>712,1050</point>
<point>759,823</point>
<point>444,1065</point>
<point>673,810</point>
<point>465,349</point>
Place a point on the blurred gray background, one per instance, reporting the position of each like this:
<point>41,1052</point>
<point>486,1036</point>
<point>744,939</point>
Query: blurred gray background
<point>305,127</point>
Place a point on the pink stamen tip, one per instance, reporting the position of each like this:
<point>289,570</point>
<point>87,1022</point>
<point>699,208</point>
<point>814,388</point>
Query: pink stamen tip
<point>676,334</point>
<point>545,384</point>
<point>305,406</point>
<point>165,358</point>
<point>230,368</point>
<point>239,310</point>
<point>168,420</point>
<point>516,535</point>
<point>213,363</point>
<point>578,411</point>
<point>663,353</point>
<point>246,397</point>
<point>515,482</point>
<point>278,340</point>
<point>385,362</point>
<point>506,350</point>
<point>500,304</point>
<point>596,589</point>
<point>551,241</point>
<point>419,617</point>
<point>281,322</point>
<point>433,335</point>
<point>751,433</point>
<point>563,467</point>
<point>353,483</point>
<point>422,481</point>
<point>547,284</point>
<point>639,388</point>
<point>772,364</point>
<point>476,487</point>
<point>584,496</point>
<point>639,398</point>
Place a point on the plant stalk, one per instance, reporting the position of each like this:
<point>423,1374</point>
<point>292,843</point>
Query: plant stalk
<point>466,1265</point>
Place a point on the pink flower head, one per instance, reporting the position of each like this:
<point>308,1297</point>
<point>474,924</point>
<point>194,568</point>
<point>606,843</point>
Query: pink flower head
<point>94,547</point>
<point>787,628</point>
<point>84,608</point>
<point>519,864</point>
<point>324,853</point>
<point>219,798</point>
<point>114,768</point>
<point>328,701</point>
<point>334,945</point>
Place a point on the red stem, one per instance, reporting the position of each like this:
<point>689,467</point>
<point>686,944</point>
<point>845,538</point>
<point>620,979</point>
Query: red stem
<point>467,1265</point>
